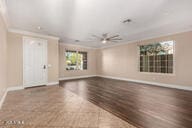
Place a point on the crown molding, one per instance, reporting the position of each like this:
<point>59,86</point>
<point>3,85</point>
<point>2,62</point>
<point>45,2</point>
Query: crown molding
<point>4,13</point>
<point>27,33</point>
<point>76,45</point>
<point>89,47</point>
<point>131,41</point>
<point>148,38</point>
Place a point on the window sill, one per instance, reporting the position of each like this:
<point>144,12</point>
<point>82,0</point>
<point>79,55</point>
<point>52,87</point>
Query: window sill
<point>76,70</point>
<point>161,74</point>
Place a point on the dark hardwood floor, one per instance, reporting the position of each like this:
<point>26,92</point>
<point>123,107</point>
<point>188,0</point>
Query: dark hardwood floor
<point>144,106</point>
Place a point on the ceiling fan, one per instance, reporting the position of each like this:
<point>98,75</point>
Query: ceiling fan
<point>105,38</point>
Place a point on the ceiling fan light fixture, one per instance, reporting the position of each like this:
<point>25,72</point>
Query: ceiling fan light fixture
<point>105,38</point>
<point>104,41</point>
<point>39,27</point>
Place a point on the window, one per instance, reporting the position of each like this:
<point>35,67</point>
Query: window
<point>76,60</point>
<point>157,57</point>
<point>82,61</point>
<point>71,60</point>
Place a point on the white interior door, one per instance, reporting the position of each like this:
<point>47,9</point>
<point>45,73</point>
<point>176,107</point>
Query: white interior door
<point>34,62</point>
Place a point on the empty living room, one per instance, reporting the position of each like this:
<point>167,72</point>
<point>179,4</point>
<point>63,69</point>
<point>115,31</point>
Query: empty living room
<point>95,63</point>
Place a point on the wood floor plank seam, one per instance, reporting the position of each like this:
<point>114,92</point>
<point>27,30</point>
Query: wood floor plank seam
<point>137,103</point>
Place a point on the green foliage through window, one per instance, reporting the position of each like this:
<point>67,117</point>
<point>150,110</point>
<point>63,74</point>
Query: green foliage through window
<point>76,60</point>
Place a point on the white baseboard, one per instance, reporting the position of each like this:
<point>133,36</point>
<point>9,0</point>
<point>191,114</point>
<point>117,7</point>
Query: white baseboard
<point>77,77</point>
<point>53,83</point>
<point>15,88</point>
<point>3,98</point>
<point>182,87</point>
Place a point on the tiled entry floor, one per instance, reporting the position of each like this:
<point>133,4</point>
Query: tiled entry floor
<point>55,107</point>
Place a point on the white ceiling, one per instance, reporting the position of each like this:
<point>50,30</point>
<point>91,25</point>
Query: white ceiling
<point>79,19</point>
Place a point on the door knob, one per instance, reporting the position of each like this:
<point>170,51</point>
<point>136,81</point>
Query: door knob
<point>44,67</point>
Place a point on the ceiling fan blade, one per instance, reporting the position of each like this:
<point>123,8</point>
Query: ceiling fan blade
<point>113,36</point>
<point>117,39</point>
<point>113,41</point>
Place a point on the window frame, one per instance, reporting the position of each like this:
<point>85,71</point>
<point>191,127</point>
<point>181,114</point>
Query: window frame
<point>156,73</point>
<point>75,51</point>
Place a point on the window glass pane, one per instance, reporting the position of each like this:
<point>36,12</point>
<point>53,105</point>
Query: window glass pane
<point>157,57</point>
<point>163,63</point>
<point>170,70</point>
<point>82,61</point>
<point>170,63</point>
<point>163,70</point>
<point>151,69</point>
<point>141,69</point>
<point>71,60</point>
